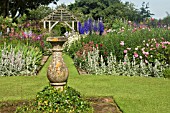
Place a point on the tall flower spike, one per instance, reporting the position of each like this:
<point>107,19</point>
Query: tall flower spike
<point>90,25</point>
<point>101,28</point>
<point>86,27</point>
<point>95,28</point>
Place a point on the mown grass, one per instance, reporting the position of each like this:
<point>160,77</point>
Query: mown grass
<point>132,94</point>
<point>23,87</point>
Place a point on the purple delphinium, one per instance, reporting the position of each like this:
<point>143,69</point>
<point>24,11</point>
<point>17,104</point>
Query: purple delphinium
<point>95,28</point>
<point>90,25</point>
<point>81,30</point>
<point>79,25</point>
<point>86,27</point>
<point>101,28</point>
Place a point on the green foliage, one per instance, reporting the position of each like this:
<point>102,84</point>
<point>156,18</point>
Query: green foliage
<point>39,13</point>
<point>144,11</point>
<point>166,20</point>
<point>17,8</point>
<point>119,43</point>
<point>59,30</point>
<point>50,100</point>
<point>112,41</point>
<point>166,73</point>
<point>16,60</point>
<point>107,9</point>
<point>118,24</point>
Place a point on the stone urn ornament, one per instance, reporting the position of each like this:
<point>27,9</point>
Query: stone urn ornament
<point>57,72</point>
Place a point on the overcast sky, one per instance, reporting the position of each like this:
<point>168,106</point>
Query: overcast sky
<point>157,7</point>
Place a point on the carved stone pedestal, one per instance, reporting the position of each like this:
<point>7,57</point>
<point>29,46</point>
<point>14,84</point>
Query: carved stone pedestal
<point>57,72</point>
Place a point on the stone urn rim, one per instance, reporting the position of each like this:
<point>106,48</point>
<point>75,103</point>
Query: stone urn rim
<point>57,39</point>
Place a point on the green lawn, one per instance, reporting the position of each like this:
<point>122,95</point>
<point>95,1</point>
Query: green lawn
<point>132,94</point>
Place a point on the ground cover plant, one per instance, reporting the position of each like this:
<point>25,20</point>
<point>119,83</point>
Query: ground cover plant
<point>19,60</point>
<point>52,100</point>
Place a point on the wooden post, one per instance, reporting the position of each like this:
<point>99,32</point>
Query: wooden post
<point>44,24</point>
<point>49,26</point>
<point>78,26</point>
<point>73,25</point>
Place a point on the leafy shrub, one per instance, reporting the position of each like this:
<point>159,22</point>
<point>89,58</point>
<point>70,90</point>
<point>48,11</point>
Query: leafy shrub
<point>19,60</point>
<point>166,73</point>
<point>50,100</point>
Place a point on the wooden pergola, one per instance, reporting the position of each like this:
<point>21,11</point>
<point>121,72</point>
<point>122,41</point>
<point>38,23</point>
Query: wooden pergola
<point>60,15</point>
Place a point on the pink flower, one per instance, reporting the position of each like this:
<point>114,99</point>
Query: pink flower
<point>134,30</point>
<point>157,45</point>
<point>122,43</point>
<point>147,44</point>
<point>143,49</point>
<point>145,53</point>
<point>151,49</point>
<point>97,45</point>
<point>135,55</point>
<point>166,42</point>
<point>124,63</point>
<point>128,48</point>
<point>152,19</point>
<point>125,51</point>
<point>163,46</point>
<point>146,61</point>
<point>129,22</point>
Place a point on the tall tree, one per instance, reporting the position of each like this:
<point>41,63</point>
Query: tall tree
<point>15,8</point>
<point>166,20</point>
<point>107,9</point>
<point>144,11</point>
<point>39,13</point>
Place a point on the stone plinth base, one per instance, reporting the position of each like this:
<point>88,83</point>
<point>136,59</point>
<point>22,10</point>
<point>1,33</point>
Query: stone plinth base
<point>58,85</point>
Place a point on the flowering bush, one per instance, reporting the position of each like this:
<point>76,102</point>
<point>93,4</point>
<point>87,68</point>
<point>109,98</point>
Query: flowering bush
<point>150,50</point>
<point>95,64</point>
<point>82,53</point>
<point>29,33</point>
<point>141,44</point>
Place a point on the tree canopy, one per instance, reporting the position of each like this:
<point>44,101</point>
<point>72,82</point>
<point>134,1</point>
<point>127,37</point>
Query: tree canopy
<point>109,9</point>
<point>15,8</point>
